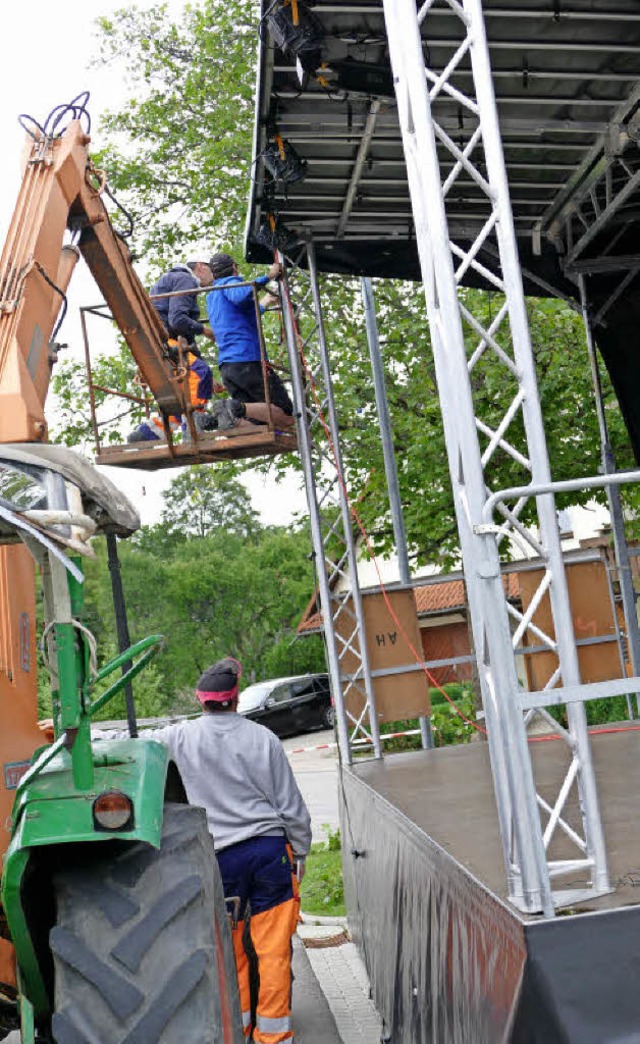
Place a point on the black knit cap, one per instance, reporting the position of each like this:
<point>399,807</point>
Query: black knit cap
<point>221,265</point>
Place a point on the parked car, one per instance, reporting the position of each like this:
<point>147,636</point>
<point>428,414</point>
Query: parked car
<point>289,705</point>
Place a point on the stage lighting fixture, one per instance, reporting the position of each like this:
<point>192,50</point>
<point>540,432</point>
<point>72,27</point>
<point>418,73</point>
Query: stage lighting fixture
<point>296,31</point>
<point>273,235</point>
<point>283,162</point>
<point>363,78</point>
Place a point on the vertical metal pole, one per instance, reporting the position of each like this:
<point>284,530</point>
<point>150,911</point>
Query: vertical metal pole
<point>122,627</point>
<point>347,523</point>
<point>619,636</point>
<point>263,355</point>
<point>382,404</point>
<point>620,546</point>
<point>390,467</point>
<point>304,448</point>
<point>532,414</point>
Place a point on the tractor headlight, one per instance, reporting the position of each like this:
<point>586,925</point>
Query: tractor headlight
<point>113,810</point>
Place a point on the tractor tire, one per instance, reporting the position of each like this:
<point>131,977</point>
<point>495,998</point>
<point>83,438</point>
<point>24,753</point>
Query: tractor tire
<point>141,946</point>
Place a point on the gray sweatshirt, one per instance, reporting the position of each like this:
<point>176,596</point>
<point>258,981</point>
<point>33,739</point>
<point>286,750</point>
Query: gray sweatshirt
<point>238,772</point>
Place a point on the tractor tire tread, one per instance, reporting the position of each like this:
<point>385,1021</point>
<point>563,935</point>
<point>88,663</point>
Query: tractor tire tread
<point>140,941</point>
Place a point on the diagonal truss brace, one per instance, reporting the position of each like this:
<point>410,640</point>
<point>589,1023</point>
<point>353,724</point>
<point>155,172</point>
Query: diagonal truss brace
<point>519,432</point>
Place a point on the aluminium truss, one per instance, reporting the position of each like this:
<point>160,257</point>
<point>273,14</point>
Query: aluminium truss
<point>330,511</point>
<point>600,201</point>
<point>468,348</point>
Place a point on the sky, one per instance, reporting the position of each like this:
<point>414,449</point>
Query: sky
<point>45,64</point>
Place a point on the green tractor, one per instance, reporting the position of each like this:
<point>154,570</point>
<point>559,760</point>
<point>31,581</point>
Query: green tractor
<point>110,888</point>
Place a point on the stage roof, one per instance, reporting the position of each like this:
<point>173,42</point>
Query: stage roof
<point>567,80</point>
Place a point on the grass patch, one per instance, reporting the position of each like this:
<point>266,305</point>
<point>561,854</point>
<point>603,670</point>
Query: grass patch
<point>322,891</point>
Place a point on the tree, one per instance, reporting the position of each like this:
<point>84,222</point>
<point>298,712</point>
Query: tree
<point>71,422</point>
<point>210,596</point>
<point>190,115</point>
<point>423,472</point>
<point>204,499</point>
<point>180,155</point>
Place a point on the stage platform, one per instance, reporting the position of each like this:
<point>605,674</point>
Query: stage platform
<point>450,960</point>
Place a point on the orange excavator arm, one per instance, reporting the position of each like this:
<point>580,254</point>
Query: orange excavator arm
<point>61,191</point>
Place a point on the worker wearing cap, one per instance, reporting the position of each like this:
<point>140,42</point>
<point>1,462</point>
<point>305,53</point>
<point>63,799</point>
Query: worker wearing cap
<point>181,313</point>
<point>238,772</point>
<point>175,300</point>
<point>232,315</point>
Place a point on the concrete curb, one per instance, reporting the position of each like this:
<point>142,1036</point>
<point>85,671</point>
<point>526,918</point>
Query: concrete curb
<point>320,919</point>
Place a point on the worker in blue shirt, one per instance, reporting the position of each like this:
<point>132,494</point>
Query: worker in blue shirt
<point>232,317</point>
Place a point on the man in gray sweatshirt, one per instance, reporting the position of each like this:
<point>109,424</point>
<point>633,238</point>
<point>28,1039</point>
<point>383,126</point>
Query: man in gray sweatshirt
<point>238,772</point>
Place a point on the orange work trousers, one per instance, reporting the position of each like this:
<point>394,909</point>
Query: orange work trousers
<point>271,933</point>
<point>260,871</point>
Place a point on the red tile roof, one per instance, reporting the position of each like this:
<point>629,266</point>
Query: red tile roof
<point>440,597</point>
<point>443,597</point>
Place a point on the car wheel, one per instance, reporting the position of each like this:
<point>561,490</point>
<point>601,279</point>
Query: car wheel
<point>328,717</point>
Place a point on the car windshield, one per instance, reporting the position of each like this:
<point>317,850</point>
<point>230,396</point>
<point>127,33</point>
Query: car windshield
<point>253,697</point>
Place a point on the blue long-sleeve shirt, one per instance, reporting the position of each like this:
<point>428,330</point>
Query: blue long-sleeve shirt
<point>232,318</point>
<point>180,315</point>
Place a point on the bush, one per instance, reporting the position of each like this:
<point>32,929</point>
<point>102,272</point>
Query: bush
<point>599,712</point>
<point>446,723</point>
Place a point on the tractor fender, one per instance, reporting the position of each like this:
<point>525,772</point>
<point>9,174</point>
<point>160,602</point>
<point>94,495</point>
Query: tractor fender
<point>51,812</point>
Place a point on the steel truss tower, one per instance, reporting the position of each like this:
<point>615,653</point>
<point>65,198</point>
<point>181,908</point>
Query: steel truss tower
<point>467,349</point>
<point>332,524</point>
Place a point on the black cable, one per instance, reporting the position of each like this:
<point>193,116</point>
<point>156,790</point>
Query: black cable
<point>289,97</point>
<point>65,303</point>
<point>53,126</point>
<point>123,210</point>
<point>77,107</point>
<point>263,19</point>
<point>31,126</point>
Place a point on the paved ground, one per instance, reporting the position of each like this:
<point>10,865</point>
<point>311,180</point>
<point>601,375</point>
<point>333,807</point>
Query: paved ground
<point>337,970</point>
<point>313,1022</point>
<point>316,774</point>
<point>343,980</point>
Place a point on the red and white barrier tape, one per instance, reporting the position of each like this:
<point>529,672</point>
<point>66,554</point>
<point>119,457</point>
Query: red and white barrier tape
<point>306,750</point>
<point>328,746</point>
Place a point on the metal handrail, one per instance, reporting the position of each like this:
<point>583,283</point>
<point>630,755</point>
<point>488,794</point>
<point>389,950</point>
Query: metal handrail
<point>619,478</point>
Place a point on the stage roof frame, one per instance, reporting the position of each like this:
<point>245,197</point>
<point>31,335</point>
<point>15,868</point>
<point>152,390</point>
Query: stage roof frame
<point>567,80</point>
